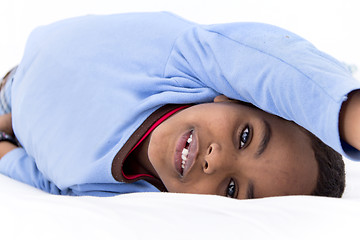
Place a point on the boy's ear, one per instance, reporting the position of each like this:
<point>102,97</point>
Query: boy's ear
<point>223,98</point>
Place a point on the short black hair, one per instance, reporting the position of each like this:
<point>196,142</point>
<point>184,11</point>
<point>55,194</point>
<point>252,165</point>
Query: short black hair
<point>331,173</point>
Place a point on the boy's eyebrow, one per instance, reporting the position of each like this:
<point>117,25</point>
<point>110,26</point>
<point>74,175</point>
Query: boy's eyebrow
<point>265,139</point>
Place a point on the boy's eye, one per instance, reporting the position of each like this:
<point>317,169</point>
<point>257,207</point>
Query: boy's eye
<point>244,137</point>
<point>231,189</point>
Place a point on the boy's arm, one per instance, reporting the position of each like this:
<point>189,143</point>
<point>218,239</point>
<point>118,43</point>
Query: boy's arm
<point>6,147</point>
<point>349,120</point>
<point>271,68</point>
<point>6,126</point>
<point>17,164</point>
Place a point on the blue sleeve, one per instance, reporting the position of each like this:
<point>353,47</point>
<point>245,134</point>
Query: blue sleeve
<point>18,165</point>
<point>271,68</point>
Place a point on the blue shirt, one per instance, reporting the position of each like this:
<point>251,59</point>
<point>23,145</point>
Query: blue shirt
<point>86,84</point>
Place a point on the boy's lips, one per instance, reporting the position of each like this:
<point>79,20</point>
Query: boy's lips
<point>185,159</point>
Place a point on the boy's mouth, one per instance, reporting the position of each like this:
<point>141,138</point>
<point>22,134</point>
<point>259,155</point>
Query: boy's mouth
<point>185,153</point>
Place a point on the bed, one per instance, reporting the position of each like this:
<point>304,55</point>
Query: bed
<point>28,213</point>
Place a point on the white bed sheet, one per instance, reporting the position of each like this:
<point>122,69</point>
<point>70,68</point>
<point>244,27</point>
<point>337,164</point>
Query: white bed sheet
<point>27,213</point>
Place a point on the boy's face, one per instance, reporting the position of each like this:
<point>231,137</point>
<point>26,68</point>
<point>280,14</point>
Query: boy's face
<point>232,150</point>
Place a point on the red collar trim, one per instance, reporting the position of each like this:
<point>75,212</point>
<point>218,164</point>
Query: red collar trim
<point>157,123</point>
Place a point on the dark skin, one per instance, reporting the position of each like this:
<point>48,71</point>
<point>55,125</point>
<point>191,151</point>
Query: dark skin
<point>236,151</point>
<point>348,126</point>
<point>6,126</point>
<point>349,120</point>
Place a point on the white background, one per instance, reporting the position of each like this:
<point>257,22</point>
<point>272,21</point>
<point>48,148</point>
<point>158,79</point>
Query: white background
<point>332,25</point>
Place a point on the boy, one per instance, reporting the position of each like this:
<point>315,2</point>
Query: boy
<point>90,106</point>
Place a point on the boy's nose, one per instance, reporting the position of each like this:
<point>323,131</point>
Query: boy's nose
<point>213,159</point>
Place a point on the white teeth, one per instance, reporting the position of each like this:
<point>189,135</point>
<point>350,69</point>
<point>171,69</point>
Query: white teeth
<point>190,139</point>
<point>184,153</point>
<point>184,157</point>
<point>183,164</point>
